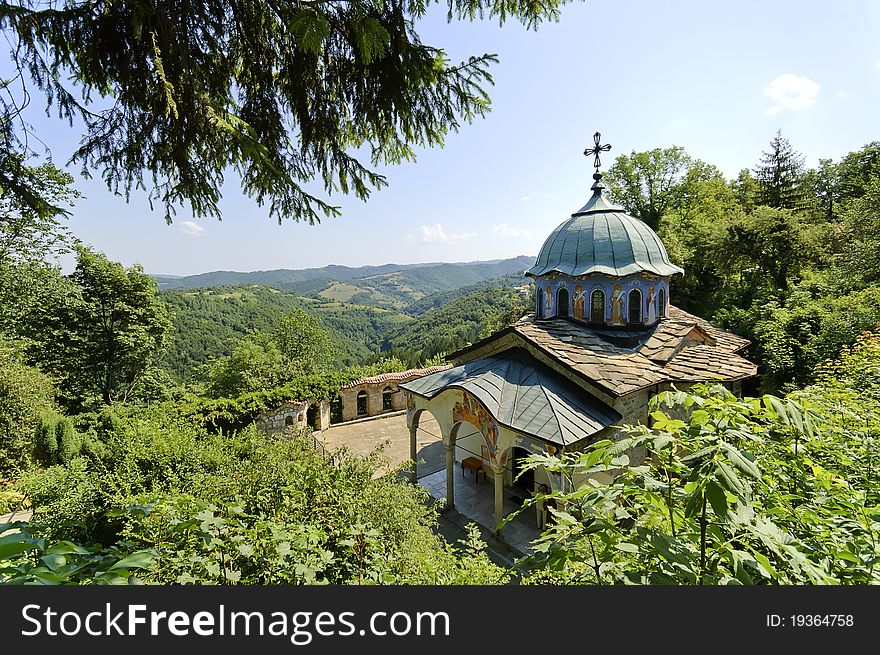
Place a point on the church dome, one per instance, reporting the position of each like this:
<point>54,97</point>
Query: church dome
<point>602,238</point>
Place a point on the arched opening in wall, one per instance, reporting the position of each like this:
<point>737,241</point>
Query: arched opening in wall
<point>562,302</point>
<point>288,421</point>
<point>362,403</point>
<point>635,306</point>
<point>661,302</point>
<point>336,410</point>
<point>387,403</point>
<point>313,415</point>
<point>539,310</point>
<point>597,306</point>
<point>526,479</point>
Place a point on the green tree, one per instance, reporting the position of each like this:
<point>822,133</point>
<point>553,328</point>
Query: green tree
<point>113,331</point>
<point>27,234</point>
<point>648,184</point>
<point>858,171</point>
<point>254,365</point>
<point>26,395</point>
<point>768,247</point>
<point>779,175</point>
<point>172,95</point>
<point>303,343</point>
<point>861,236</point>
<point>696,240</point>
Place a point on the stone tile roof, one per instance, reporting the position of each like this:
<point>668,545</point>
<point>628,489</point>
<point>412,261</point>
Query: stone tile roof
<point>525,395</point>
<point>681,348</point>
<point>397,376</point>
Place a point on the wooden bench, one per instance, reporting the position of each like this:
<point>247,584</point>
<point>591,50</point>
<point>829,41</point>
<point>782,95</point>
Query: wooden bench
<point>474,464</point>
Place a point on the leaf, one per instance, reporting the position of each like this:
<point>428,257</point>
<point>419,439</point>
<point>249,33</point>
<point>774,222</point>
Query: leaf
<point>66,548</point>
<point>764,566</point>
<point>54,562</point>
<point>729,480</point>
<point>741,462</point>
<point>717,498</point>
<point>143,559</point>
<point>9,546</point>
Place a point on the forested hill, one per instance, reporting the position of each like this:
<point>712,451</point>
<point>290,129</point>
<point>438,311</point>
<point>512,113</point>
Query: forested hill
<point>389,285</point>
<point>209,322</point>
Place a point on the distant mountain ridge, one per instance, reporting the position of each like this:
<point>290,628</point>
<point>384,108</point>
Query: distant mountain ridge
<point>285,276</point>
<point>393,286</point>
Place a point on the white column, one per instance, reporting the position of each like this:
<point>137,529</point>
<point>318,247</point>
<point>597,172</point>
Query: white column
<point>499,497</point>
<point>450,467</point>
<point>413,454</point>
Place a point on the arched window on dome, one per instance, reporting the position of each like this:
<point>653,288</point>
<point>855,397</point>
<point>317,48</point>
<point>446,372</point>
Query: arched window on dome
<point>539,312</point>
<point>635,306</point>
<point>661,301</point>
<point>562,302</point>
<point>597,306</point>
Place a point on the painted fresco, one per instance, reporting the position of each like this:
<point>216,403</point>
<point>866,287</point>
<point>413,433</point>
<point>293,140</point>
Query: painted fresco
<point>579,302</point>
<point>650,305</point>
<point>617,316</point>
<point>616,295</point>
<point>470,410</point>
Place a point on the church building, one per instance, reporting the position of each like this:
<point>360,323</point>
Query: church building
<point>602,340</point>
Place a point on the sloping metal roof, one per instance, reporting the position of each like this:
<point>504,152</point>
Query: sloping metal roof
<point>524,395</point>
<point>602,238</point>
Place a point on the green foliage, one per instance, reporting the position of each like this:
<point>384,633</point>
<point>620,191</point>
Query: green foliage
<point>458,323</point>
<point>26,558</point>
<point>751,491</point>
<point>650,184</point>
<point>26,395</point>
<point>243,508</point>
<point>29,227</point>
<point>179,121</point>
<point>860,235</point>
<point>303,343</point>
<point>780,176</point>
<point>115,328</point>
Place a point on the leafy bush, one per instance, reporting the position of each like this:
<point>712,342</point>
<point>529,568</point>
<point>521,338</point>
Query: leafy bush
<point>217,507</point>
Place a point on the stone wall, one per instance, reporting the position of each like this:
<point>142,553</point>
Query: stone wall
<point>374,388</point>
<point>297,414</point>
<point>288,414</point>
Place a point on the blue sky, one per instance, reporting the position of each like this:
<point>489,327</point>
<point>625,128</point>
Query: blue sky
<point>717,78</point>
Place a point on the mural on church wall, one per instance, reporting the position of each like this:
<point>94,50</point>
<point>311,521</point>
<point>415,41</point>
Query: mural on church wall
<point>470,410</point>
<point>579,301</point>
<point>650,305</point>
<point>654,292</point>
<point>617,315</point>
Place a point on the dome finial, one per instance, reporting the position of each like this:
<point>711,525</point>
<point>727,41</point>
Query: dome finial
<point>596,150</point>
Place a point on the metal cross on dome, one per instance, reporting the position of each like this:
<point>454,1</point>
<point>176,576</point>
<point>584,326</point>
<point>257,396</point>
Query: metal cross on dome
<point>597,150</point>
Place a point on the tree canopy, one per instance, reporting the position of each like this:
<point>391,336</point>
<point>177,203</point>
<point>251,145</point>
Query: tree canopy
<point>174,95</point>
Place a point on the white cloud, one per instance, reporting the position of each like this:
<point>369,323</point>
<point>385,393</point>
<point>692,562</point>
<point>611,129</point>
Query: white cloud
<point>533,195</point>
<point>791,92</point>
<point>504,230</point>
<point>192,228</point>
<point>435,234</point>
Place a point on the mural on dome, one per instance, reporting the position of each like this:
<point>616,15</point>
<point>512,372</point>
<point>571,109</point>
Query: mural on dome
<point>650,305</point>
<point>578,299</point>
<point>617,315</point>
<point>548,300</point>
